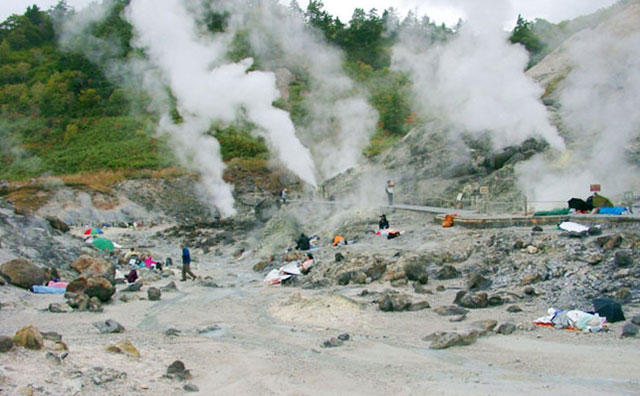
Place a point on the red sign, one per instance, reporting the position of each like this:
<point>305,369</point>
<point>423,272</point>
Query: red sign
<point>595,188</point>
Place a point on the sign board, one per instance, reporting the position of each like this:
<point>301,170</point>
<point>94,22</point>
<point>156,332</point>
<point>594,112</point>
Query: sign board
<point>594,188</point>
<point>484,190</point>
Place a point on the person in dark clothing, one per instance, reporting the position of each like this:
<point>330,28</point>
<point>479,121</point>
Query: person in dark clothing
<point>383,224</point>
<point>186,264</point>
<point>303,242</point>
<point>132,276</point>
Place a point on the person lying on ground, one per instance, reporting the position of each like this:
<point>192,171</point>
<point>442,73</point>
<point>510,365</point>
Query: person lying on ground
<point>339,239</point>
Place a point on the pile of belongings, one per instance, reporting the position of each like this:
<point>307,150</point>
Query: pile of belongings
<point>574,229</point>
<point>277,276</point>
<point>573,320</point>
<point>52,287</point>
<point>596,204</point>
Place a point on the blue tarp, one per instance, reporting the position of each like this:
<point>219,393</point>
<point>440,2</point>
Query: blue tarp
<point>47,290</point>
<point>615,210</point>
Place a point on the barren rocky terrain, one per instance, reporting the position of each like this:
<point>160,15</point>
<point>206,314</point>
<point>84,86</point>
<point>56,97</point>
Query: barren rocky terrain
<point>370,318</point>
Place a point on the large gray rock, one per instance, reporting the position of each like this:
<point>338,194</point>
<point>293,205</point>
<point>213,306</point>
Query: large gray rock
<point>394,302</point>
<point>109,326</point>
<point>447,272</point>
<point>624,258</point>
<point>23,273</point>
<point>449,339</point>
<point>417,271</point>
<point>154,294</point>
<point>630,330</point>
<point>6,343</point>
<point>478,282</point>
<point>472,300</point>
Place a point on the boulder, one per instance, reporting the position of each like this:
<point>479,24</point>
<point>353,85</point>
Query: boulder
<point>177,370</point>
<point>109,326</point>
<point>23,273</point>
<point>630,330</point>
<point>154,294</point>
<point>514,309</point>
<point>623,258</point>
<point>376,271</point>
<point>450,310</point>
<point>170,287</point>
<point>79,301</point>
<point>417,271</point>
<point>472,300</point>
<point>95,286</point>
<point>531,278</point>
<point>344,278</point>
<point>478,282</point>
<point>6,343</point>
<point>611,242</point>
<point>95,305</point>
<point>92,266</point>
<point>447,272</point>
<point>134,287</point>
<point>636,320</point>
<point>484,326</point>
<point>57,224</point>
<point>394,302</point>
<point>448,339</point>
<point>506,328</point>
<point>495,300</point>
<point>595,259</point>
<point>125,347</point>
<point>29,337</point>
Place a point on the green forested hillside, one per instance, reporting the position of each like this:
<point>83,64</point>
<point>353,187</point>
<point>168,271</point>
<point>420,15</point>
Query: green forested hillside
<point>60,114</point>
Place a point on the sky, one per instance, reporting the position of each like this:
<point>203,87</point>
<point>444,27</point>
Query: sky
<point>446,11</point>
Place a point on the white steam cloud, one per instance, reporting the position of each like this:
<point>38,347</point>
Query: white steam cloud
<point>598,105</point>
<point>339,121</point>
<point>208,89</point>
<point>476,80</point>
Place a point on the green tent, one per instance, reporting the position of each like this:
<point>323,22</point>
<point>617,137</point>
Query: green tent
<point>103,243</point>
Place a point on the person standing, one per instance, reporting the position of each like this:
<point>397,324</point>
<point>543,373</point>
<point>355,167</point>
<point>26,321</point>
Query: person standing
<point>186,263</point>
<point>389,190</point>
<point>283,195</point>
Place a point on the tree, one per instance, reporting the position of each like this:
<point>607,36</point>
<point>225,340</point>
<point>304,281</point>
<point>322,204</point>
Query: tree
<point>523,34</point>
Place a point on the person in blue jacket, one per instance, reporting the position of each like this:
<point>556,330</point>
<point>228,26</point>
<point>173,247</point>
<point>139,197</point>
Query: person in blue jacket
<point>186,264</point>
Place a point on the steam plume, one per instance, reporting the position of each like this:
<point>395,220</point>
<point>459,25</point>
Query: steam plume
<point>339,121</point>
<point>598,102</point>
<point>476,80</point>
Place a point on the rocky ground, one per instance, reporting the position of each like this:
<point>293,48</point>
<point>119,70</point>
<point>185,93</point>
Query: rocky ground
<point>448,311</point>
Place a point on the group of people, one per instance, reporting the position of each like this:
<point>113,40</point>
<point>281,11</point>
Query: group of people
<point>137,260</point>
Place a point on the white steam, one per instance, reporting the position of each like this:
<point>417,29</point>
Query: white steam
<point>476,80</point>
<point>599,101</point>
<point>208,89</point>
<point>340,120</point>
